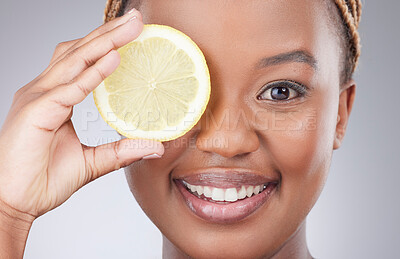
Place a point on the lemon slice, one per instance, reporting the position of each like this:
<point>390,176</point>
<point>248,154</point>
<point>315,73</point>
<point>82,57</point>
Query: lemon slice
<point>160,89</point>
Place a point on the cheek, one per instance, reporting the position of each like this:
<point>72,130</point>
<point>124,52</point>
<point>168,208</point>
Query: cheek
<point>301,146</point>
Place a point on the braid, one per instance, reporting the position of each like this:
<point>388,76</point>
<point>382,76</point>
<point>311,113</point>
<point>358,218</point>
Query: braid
<point>114,8</point>
<point>350,11</point>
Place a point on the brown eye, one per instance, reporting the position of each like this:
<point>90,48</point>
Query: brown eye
<point>281,91</point>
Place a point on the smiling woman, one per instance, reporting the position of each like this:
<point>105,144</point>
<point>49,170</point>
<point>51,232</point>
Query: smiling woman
<point>281,98</point>
<point>245,177</point>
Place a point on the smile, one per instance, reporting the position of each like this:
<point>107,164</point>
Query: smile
<point>225,197</point>
<point>210,193</point>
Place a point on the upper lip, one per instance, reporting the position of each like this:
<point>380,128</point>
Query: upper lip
<point>226,177</point>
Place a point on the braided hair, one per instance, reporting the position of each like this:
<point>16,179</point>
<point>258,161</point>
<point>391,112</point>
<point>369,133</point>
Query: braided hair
<point>349,10</point>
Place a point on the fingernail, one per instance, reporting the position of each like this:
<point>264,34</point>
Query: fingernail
<point>133,18</point>
<point>132,10</point>
<point>152,156</point>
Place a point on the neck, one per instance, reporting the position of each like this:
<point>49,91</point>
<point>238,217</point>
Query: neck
<point>295,248</point>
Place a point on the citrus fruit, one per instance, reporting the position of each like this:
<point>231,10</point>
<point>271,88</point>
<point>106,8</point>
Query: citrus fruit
<point>160,89</point>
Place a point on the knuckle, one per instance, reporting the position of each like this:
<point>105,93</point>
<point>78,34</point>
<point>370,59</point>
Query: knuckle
<point>115,152</point>
<point>78,84</point>
<point>23,97</point>
<point>24,94</point>
<point>76,54</point>
<point>92,169</point>
<point>113,44</point>
<point>63,46</point>
<point>100,73</point>
<point>19,93</point>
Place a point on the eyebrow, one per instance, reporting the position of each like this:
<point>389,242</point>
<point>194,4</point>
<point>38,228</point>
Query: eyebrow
<point>299,56</point>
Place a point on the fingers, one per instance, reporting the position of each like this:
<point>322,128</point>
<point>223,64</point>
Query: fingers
<point>66,47</point>
<point>84,56</point>
<point>50,111</point>
<point>113,156</point>
<point>59,52</point>
<point>107,27</point>
<point>62,48</point>
<point>75,92</point>
<point>75,76</point>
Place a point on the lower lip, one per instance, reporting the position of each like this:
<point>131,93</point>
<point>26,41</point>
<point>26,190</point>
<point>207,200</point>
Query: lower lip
<point>226,213</point>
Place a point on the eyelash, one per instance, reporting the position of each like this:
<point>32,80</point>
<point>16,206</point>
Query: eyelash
<point>301,89</point>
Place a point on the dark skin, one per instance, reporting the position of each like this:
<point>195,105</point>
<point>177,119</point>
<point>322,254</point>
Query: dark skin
<point>235,38</point>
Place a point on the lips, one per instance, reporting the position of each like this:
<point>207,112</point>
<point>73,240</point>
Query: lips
<point>225,195</point>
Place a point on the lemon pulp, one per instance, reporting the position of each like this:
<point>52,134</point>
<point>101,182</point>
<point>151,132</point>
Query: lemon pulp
<point>160,89</point>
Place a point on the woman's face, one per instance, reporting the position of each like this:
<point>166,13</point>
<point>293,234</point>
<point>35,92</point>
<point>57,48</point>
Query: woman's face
<point>272,120</point>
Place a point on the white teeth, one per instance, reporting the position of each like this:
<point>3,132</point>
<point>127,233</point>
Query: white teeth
<point>207,192</point>
<point>231,194</point>
<point>242,193</point>
<point>218,194</point>
<point>249,191</point>
<point>199,190</point>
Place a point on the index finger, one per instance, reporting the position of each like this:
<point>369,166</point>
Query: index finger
<point>97,32</point>
<point>85,56</point>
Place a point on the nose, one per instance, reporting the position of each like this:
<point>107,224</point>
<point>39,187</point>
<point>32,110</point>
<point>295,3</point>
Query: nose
<point>226,129</point>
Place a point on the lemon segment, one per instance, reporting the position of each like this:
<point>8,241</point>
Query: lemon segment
<point>160,89</point>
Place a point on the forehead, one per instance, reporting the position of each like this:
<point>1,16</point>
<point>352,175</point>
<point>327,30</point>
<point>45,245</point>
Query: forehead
<point>251,28</point>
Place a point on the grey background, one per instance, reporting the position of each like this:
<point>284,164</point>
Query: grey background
<point>356,216</point>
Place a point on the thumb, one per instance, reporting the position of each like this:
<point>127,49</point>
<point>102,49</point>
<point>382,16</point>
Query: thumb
<point>106,158</point>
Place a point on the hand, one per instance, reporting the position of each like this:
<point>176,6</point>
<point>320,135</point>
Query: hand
<point>42,162</point>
